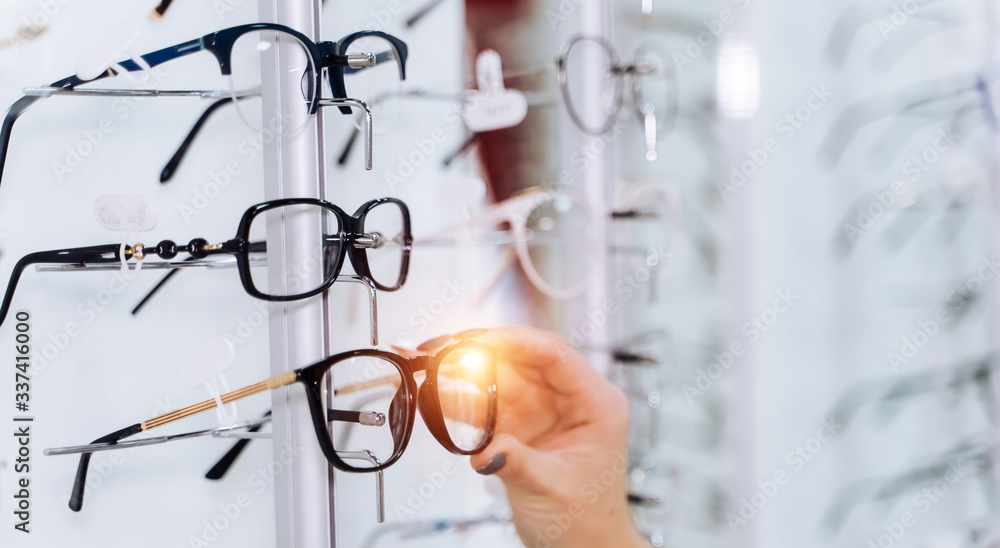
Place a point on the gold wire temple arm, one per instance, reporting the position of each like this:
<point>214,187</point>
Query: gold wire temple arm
<point>276,381</point>
<point>365,385</point>
<point>381,381</point>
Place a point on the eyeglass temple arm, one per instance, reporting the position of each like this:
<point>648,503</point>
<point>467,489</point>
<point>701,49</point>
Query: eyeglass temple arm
<point>68,85</point>
<point>368,284</point>
<point>462,149</point>
<point>880,391</point>
<point>364,418</point>
<point>171,167</point>
<point>490,215</point>
<point>277,381</point>
<point>875,489</point>
<point>92,254</point>
<point>345,152</point>
<point>422,12</point>
<point>76,498</point>
<point>13,113</point>
<point>220,468</point>
<point>160,9</point>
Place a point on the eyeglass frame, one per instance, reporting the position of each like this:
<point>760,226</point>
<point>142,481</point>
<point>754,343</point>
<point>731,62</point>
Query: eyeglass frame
<point>515,212</point>
<point>324,55</point>
<point>240,246</point>
<point>620,72</point>
<point>414,397</point>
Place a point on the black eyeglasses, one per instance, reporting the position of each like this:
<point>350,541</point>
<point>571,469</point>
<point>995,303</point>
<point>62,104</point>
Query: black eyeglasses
<point>364,402</point>
<point>376,239</point>
<point>241,52</point>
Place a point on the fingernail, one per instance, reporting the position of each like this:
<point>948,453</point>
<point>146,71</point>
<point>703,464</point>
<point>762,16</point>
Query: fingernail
<point>469,333</point>
<point>493,466</point>
<point>434,343</point>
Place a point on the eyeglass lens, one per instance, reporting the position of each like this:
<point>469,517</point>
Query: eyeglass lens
<point>592,107</point>
<point>319,257</point>
<point>365,407</point>
<point>464,380</point>
<point>379,85</point>
<point>384,223</point>
<point>258,49</point>
<point>557,232</point>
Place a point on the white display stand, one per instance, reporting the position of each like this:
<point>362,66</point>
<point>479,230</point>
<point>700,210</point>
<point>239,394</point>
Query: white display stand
<point>293,167</point>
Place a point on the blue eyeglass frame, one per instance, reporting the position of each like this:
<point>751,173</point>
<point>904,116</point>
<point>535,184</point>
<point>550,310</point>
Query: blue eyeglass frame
<point>329,55</point>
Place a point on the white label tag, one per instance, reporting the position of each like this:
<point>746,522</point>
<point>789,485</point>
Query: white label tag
<point>492,107</point>
<point>206,362</point>
<point>123,213</point>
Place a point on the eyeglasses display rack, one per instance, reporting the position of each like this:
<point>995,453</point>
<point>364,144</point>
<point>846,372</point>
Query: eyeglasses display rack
<point>304,497</point>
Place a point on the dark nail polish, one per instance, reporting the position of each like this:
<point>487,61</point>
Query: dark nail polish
<point>493,466</point>
<point>436,342</point>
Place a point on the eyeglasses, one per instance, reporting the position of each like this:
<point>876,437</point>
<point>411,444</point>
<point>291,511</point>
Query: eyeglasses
<point>649,77</point>
<point>969,457</point>
<point>240,53</point>
<point>649,225</point>
<point>383,256</point>
<point>369,81</point>
<point>555,235</point>
<point>911,108</point>
<point>891,392</point>
<point>857,16</point>
<point>365,401</point>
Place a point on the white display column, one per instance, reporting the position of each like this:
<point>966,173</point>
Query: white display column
<point>304,494</point>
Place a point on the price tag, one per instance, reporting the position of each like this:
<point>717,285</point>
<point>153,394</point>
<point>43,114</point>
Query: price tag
<point>493,106</point>
<point>124,213</point>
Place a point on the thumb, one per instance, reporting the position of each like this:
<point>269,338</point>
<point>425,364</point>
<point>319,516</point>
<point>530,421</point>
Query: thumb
<point>515,463</point>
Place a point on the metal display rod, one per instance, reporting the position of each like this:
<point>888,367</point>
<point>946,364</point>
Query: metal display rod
<point>293,167</point>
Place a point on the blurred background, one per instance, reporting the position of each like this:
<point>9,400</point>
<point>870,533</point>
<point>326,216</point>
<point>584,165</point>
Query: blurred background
<point>772,224</point>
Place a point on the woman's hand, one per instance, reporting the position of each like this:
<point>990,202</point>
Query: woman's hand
<point>560,443</point>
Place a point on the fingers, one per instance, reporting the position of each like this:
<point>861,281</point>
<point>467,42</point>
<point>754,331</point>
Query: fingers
<point>515,463</point>
<point>565,370</point>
